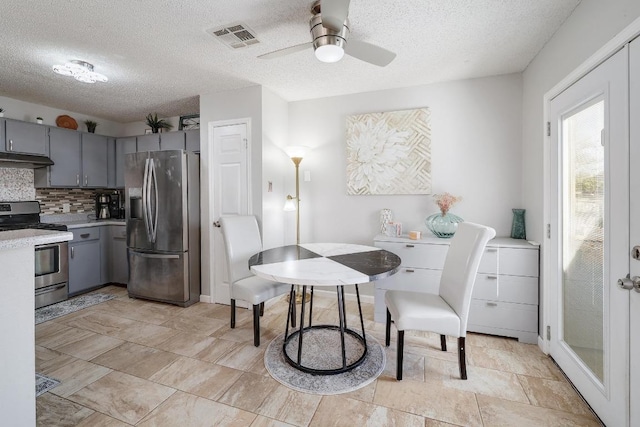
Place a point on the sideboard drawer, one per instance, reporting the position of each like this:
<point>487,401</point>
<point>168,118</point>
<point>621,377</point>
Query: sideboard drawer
<point>413,279</point>
<point>486,287</point>
<point>519,317</point>
<point>519,262</point>
<point>417,255</point>
<point>518,289</point>
<point>489,261</point>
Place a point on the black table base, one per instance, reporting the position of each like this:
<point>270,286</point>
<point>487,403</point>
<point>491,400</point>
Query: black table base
<point>341,328</point>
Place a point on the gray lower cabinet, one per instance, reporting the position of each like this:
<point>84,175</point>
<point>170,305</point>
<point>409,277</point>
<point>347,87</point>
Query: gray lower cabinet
<point>25,137</point>
<point>123,147</point>
<point>118,264</point>
<point>85,260</point>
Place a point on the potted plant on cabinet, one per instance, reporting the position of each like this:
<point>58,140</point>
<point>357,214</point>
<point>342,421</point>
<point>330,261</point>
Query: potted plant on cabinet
<point>1,112</point>
<point>156,124</point>
<point>91,126</point>
<point>39,120</point>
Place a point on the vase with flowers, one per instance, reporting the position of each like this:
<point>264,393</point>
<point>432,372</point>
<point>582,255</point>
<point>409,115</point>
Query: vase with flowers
<point>444,224</point>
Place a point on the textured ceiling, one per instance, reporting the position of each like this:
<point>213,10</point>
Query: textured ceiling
<point>159,57</point>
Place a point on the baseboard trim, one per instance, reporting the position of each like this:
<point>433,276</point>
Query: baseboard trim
<point>206,298</point>
<point>347,296</point>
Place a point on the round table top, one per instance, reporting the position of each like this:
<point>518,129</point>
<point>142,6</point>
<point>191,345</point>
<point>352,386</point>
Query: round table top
<point>324,264</point>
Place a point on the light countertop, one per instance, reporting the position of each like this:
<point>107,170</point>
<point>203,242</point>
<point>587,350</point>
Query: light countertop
<point>80,220</point>
<point>29,237</point>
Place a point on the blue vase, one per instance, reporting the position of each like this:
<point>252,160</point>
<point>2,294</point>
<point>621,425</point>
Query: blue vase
<point>517,226</point>
<point>443,225</point>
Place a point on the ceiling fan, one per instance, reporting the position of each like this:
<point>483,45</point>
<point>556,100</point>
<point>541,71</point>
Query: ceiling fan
<point>330,33</point>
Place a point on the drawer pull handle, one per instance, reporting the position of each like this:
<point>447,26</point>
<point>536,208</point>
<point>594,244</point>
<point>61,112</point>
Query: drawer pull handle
<point>410,246</point>
<point>85,235</point>
<point>492,304</point>
<point>408,270</point>
<point>492,277</point>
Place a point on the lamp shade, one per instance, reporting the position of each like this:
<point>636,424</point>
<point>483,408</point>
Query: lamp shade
<point>289,205</point>
<point>329,53</point>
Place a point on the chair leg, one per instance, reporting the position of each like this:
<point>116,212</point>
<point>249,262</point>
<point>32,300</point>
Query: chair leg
<point>233,313</point>
<point>443,342</point>
<point>461,359</point>
<point>256,325</point>
<point>262,309</point>
<point>387,334</point>
<point>400,352</point>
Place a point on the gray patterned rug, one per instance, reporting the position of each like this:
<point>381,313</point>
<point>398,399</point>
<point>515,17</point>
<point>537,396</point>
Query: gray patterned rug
<point>69,306</point>
<point>321,349</point>
<point>44,384</point>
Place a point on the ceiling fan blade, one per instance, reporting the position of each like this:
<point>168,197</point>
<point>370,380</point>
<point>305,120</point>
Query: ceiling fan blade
<point>334,13</point>
<point>286,51</point>
<point>369,53</point>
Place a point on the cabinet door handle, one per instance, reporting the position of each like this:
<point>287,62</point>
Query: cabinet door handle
<point>409,270</point>
<point>86,180</point>
<point>85,235</point>
<point>492,249</point>
<point>410,246</point>
<point>492,277</point>
<point>78,179</point>
<point>492,304</point>
<point>11,145</point>
<point>73,251</point>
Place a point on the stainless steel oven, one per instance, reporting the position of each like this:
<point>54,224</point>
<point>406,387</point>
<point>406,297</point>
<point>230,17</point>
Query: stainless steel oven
<point>52,273</point>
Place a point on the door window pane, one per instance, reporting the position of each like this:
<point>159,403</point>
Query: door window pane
<point>583,233</point>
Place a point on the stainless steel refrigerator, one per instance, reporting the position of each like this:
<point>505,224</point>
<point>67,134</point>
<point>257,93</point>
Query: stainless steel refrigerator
<point>162,208</point>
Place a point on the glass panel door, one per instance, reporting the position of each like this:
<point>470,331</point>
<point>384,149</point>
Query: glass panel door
<point>583,240</point>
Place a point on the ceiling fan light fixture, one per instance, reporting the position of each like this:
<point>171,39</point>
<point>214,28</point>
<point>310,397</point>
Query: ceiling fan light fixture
<point>329,53</point>
<point>81,71</point>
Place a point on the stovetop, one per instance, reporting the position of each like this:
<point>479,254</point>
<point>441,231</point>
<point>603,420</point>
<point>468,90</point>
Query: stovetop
<point>24,215</point>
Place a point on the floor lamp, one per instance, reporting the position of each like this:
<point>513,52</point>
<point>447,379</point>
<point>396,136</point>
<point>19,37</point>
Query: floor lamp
<point>296,153</point>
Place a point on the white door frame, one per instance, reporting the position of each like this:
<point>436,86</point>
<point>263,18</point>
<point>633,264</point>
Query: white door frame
<point>208,226</point>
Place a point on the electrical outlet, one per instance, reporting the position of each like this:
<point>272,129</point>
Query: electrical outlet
<point>307,176</point>
<point>66,207</point>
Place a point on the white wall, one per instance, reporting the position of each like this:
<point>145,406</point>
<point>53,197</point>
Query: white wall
<point>476,128</point>
<point>27,111</point>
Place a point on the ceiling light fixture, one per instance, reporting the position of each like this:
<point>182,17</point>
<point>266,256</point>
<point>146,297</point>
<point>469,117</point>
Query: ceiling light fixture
<point>81,71</point>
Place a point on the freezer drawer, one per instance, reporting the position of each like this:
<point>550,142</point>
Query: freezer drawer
<point>160,277</point>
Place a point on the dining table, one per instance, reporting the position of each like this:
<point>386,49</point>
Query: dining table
<point>327,265</point>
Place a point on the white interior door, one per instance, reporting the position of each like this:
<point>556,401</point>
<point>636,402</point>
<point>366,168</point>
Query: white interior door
<point>231,192</point>
<point>634,187</point>
<point>589,246</point>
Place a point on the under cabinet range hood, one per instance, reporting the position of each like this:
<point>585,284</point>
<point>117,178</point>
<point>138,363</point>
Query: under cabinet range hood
<point>24,161</point>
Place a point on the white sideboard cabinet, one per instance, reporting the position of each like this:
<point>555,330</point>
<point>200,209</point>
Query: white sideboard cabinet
<point>505,296</point>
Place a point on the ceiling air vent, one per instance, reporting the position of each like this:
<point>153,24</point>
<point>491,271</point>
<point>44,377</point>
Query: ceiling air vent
<point>235,36</point>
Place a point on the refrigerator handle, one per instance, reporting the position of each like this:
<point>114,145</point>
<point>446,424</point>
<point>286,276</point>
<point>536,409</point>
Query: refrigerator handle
<point>154,256</point>
<point>145,201</point>
<point>154,215</point>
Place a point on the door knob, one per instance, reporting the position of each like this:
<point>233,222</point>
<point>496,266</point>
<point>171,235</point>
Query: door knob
<point>630,283</point>
<point>217,224</point>
<point>635,252</point>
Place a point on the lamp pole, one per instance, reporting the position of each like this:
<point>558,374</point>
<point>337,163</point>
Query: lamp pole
<point>296,162</point>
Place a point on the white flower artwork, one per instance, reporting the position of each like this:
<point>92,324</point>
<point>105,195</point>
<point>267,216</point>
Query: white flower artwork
<point>389,153</point>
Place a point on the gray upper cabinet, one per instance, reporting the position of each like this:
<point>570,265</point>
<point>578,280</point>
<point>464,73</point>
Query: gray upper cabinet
<point>123,147</point>
<point>192,140</point>
<point>94,160</point>
<point>24,137</point>
<point>172,141</point>
<point>111,163</point>
<point>64,149</point>
<point>2,133</point>
<point>150,142</point>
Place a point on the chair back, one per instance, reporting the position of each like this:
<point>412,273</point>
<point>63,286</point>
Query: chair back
<point>461,267</point>
<point>241,240</point>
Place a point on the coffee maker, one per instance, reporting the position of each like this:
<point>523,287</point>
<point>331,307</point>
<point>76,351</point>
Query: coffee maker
<point>103,201</point>
<point>115,210</point>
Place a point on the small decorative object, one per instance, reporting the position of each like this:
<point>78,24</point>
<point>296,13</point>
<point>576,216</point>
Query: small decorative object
<point>91,126</point>
<point>444,224</point>
<point>189,122</point>
<point>386,216</point>
<point>156,124</point>
<point>1,112</point>
<point>394,229</point>
<point>517,226</point>
<point>66,122</point>
<point>415,235</point>
<point>39,120</point>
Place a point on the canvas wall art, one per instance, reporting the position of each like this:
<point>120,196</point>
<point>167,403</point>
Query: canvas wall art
<point>389,152</point>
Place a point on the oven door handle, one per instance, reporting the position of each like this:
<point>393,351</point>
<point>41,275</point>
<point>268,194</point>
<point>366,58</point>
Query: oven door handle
<point>50,289</point>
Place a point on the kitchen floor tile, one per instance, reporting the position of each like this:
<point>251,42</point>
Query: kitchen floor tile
<point>48,360</point>
<point>249,391</point>
<point>554,395</point>
<point>122,396</point>
<point>52,410</point>
<point>137,360</point>
<point>198,324</point>
<point>100,420</point>
<point>75,376</point>
<point>63,336</point>
<point>340,411</point>
<point>89,347</point>
<point>144,333</point>
<point>187,344</point>
<point>290,406</point>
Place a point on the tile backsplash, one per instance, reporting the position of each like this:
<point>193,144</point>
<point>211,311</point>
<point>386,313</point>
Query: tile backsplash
<point>16,185</point>
<point>52,200</point>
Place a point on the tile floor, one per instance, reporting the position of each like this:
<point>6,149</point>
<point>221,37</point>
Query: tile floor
<point>134,362</point>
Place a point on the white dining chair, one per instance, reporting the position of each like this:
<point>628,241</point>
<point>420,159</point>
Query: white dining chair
<point>445,313</point>
<point>242,240</point>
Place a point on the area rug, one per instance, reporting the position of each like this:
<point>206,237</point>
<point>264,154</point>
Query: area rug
<point>44,384</point>
<point>321,349</point>
<point>69,306</point>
